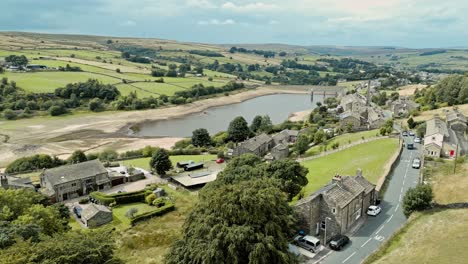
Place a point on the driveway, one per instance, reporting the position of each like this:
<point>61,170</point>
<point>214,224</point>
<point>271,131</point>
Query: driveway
<point>377,229</point>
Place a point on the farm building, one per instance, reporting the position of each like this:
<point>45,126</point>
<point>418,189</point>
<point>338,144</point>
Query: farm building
<point>95,215</point>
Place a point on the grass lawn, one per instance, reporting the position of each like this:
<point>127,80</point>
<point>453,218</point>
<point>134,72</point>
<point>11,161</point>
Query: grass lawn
<point>119,212</point>
<point>447,186</point>
<point>433,237</point>
<point>148,241</point>
<point>158,88</point>
<point>47,82</point>
<point>344,140</point>
<point>144,162</point>
<point>370,157</point>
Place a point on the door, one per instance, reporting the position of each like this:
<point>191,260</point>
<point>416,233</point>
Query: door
<point>65,196</point>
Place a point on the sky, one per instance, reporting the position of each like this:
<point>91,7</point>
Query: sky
<point>403,23</point>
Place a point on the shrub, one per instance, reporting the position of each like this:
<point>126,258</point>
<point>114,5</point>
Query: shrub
<point>150,198</point>
<point>417,199</point>
<point>102,198</point>
<point>131,212</point>
<point>159,202</point>
<point>9,114</point>
<point>83,201</point>
<point>56,110</point>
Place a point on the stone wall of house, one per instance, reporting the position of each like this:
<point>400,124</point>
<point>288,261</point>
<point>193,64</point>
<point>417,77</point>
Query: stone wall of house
<point>333,226</point>
<point>309,215</point>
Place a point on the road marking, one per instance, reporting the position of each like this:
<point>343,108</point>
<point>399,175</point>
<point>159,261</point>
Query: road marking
<point>349,257</point>
<point>379,238</point>
<point>380,229</point>
<point>390,218</point>
<point>398,205</point>
<point>322,258</point>
<point>399,199</point>
<point>366,242</point>
<point>401,191</point>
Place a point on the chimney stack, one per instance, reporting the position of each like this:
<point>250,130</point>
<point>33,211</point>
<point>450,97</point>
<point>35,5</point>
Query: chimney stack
<point>359,172</point>
<point>336,178</point>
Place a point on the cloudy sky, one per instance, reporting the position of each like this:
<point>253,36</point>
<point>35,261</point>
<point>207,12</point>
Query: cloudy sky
<point>408,23</point>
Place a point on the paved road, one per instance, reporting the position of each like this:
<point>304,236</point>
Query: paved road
<point>377,229</point>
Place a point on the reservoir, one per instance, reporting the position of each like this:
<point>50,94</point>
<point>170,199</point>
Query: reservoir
<point>216,119</point>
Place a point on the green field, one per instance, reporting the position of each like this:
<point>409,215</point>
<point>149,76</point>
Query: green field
<point>343,140</point>
<point>370,157</point>
<point>434,237</point>
<point>119,211</point>
<point>144,162</point>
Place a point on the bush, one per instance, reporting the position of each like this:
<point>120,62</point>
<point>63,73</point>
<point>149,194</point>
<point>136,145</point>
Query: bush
<point>160,202</point>
<point>150,198</point>
<point>9,114</point>
<point>417,199</point>
<point>102,198</point>
<point>56,110</point>
<point>83,201</point>
<point>158,212</point>
<point>36,162</point>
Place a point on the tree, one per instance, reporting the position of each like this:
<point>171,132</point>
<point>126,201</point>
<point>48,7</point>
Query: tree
<point>417,199</point>
<point>57,110</point>
<point>290,173</point>
<point>160,161</point>
<point>238,129</point>
<point>233,223</point>
<point>201,138</point>
<point>18,61</point>
<point>95,105</point>
<point>302,144</point>
<point>319,137</point>
<point>256,123</point>
<point>77,157</point>
<point>266,125</point>
<point>108,155</point>
<point>411,123</point>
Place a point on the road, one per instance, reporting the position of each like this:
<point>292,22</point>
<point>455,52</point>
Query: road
<point>377,229</point>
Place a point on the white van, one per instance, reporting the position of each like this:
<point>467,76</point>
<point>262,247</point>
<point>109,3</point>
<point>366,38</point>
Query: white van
<point>310,243</point>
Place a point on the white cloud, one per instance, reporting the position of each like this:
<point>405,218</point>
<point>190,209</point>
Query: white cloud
<point>200,4</point>
<point>253,7</point>
<point>216,22</point>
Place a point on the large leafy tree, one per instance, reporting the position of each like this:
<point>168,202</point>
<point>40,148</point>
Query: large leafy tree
<point>266,125</point>
<point>160,161</point>
<point>302,144</point>
<point>17,60</point>
<point>417,199</point>
<point>256,122</point>
<point>201,137</point>
<point>238,129</point>
<point>77,157</point>
<point>244,222</point>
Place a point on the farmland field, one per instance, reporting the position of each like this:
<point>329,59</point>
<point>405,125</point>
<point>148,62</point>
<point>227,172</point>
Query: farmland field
<point>371,157</point>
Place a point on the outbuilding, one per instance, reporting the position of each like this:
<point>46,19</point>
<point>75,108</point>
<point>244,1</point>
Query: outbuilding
<point>95,215</point>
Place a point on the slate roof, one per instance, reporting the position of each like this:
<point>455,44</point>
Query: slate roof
<point>351,98</point>
<point>255,142</point>
<point>436,126</point>
<point>350,114</point>
<point>77,171</point>
<point>455,115</point>
<point>280,147</point>
<point>92,209</point>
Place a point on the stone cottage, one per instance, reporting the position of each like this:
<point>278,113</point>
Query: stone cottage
<point>95,215</point>
<point>337,207</point>
<point>259,145</point>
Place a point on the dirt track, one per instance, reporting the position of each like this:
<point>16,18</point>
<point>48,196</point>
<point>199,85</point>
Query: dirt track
<point>94,132</point>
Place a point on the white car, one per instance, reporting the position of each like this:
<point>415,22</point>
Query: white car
<point>374,210</point>
<point>417,140</point>
<point>416,163</point>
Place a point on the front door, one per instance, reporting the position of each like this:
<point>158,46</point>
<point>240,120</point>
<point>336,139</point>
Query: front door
<point>65,196</point>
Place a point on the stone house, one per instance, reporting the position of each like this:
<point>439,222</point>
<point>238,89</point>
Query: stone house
<point>337,207</point>
<point>280,151</point>
<point>259,145</point>
<point>71,181</point>
<point>403,106</point>
<point>95,215</point>
<point>351,118</point>
<point>286,136</point>
<point>444,139</point>
<point>353,102</point>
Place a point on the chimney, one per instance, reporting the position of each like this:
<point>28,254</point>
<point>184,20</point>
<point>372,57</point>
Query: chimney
<point>336,178</point>
<point>359,172</point>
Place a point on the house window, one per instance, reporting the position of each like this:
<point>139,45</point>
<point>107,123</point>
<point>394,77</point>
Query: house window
<point>334,210</point>
<point>322,225</point>
<point>73,184</point>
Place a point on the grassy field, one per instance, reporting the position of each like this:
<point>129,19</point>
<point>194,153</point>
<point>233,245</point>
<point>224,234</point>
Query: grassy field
<point>449,187</point>
<point>144,162</point>
<point>343,140</point>
<point>148,241</point>
<point>370,157</point>
<point>119,212</point>
<point>431,237</point>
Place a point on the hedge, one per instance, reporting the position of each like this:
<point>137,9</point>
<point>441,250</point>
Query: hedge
<point>158,212</point>
<point>120,198</point>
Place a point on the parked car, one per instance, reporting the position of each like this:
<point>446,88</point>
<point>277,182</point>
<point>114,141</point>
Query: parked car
<point>416,163</point>
<point>410,146</point>
<point>338,242</point>
<point>307,242</point>
<point>219,161</point>
<point>411,133</point>
<point>77,210</point>
<point>374,210</point>
<point>405,134</point>
<point>417,140</point>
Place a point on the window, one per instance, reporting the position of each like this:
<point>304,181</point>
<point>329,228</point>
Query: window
<point>334,210</point>
<point>322,225</point>
<point>73,184</point>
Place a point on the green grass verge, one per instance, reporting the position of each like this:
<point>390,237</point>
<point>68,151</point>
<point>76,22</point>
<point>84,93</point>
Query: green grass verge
<point>371,157</point>
<point>119,212</point>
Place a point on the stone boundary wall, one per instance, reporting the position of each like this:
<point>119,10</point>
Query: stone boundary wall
<point>390,168</point>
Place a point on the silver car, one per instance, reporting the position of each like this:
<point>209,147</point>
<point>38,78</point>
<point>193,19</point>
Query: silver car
<point>416,163</point>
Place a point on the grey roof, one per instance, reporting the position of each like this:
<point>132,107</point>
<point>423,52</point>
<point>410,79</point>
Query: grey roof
<point>289,132</point>
<point>368,187</point>
<point>436,126</point>
<point>255,142</point>
<point>351,98</point>
<point>92,209</point>
<point>350,114</point>
<point>455,115</point>
<point>280,147</point>
<point>73,172</point>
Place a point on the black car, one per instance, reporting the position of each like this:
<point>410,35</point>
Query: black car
<point>77,210</point>
<point>338,242</point>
